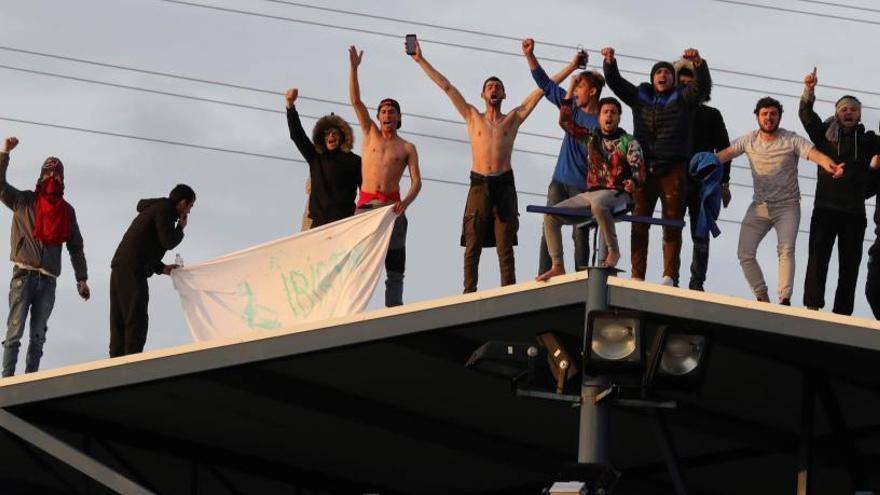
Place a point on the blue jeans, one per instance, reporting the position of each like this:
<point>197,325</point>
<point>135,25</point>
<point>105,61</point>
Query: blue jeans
<point>558,192</point>
<point>28,291</point>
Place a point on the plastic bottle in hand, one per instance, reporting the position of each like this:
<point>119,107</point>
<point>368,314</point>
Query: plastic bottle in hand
<point>178,260</point>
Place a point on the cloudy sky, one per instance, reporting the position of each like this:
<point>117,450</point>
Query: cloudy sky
<point>245,53</point>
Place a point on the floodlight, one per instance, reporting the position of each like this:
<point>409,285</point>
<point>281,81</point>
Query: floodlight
<point>504,359</point>
<point>560,360</point>
<point>682,354</point>
<point>614,342</point>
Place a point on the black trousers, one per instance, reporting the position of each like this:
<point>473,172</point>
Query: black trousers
<point>129,298</point>
<point>872,285</point>
<point>700,257</point>
<point>849,231</point>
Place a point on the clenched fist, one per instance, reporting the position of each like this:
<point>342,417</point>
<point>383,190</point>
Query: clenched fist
<point>10,143</point>
<point>290,97</point>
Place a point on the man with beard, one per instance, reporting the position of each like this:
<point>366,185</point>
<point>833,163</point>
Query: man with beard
<point>334,171</point>
<point>570,174</point>
<point>614,168</point>
<point>491,213</point>
<point>41,222</point>
<point>157,228</point>
<point>773,157</point>
<point>709,134</point>
<point>662,112</point>
<point>385,156</point>
<point>839,208</point>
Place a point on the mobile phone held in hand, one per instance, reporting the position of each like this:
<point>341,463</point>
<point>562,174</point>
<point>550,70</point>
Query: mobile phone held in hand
<point>410,44</point>
<point>582,58</point>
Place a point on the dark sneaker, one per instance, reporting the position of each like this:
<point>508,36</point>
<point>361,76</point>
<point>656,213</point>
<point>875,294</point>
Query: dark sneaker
<point>785,302</point>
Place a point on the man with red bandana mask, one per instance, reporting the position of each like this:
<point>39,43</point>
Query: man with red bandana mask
<point>41,222</point>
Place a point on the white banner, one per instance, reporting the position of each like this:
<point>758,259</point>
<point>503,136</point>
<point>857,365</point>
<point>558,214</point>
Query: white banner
<point>328,271</point>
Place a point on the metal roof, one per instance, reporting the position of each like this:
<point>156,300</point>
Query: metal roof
<point>381,403</point>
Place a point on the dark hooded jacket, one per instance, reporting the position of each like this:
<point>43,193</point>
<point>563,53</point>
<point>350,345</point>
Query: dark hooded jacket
<point>662,122</point>
<point>150,234</point>
<point>854,148</point>
<point>335,175</point>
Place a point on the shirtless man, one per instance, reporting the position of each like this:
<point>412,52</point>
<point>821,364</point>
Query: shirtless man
<point>383,159</point>
<point>490,216</point>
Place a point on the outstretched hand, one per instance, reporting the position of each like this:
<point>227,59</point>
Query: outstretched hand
<point>290,96</point>
<point>528,47</point>
<point>693,55</point>
<point>810,80</point>
<point>608,54</point>
<point>10,143</point>
<point>354,56</point>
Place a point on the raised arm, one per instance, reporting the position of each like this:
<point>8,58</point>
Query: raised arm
<point>624,89</point>
<point>525,108</point>
<point>297,133</point>
<point>697,91</point>
<point>548,84</point>
<point>566,119</point>
<point>415,179</point>
<point>465,109</point>
<point>8,194</point>
<point>809,118</point>
<point>354,91</point>
<point>727,154</point>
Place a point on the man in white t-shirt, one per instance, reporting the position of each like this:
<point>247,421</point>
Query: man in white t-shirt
<point>773,157</point>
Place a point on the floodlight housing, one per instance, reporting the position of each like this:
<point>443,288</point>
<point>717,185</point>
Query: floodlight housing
<point>503,359</point>
<point>614,343</point>
<point>681,358</point>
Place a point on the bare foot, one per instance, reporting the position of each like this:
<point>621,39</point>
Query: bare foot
<point>612,258</point>
<point>552,272</point>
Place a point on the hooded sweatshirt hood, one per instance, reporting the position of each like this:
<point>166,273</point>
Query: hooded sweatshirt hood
<point>338,122</point>
<point>684,63</point>
<point>147,202</point>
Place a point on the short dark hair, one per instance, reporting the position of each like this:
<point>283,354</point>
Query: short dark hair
<point>685,71</point>
<point>610,100</point>
<point>490,79</point>
<point>182,192</point>
<point>767,102</point>
<point>594,80</point>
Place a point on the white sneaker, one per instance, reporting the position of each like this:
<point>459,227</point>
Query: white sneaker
<point>667,281</point>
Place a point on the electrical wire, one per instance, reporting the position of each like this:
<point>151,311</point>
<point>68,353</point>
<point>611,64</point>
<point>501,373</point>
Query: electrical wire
<point>840,5</point>
<point>271,110</point>
<point>762,77</point>
<point>793,11</point>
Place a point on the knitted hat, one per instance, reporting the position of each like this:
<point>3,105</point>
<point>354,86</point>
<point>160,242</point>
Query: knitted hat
<point>661,65</point>
<point>847,100</point>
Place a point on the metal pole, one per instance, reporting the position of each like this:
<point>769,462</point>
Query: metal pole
<point>808,402</point>
<point>592,440</point>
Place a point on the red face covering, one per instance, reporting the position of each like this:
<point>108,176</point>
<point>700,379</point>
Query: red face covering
<point>51,215</point>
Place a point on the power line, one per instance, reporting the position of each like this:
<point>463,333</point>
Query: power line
<point>560,45</point>
<point>210,148</point>
<point>840,5</point>
<point>260,155</point>
<point>219,83</point>
<point>470,47</point>
<point>793,11</point>
<point>263,109</point>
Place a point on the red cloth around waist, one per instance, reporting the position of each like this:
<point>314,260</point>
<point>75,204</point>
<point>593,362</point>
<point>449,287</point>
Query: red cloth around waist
<point>366,197</point>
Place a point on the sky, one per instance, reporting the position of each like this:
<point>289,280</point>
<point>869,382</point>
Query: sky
<point>245,200</point>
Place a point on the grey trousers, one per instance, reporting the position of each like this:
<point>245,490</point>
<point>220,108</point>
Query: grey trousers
<point>601,202</point>
<point>784,218</point>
